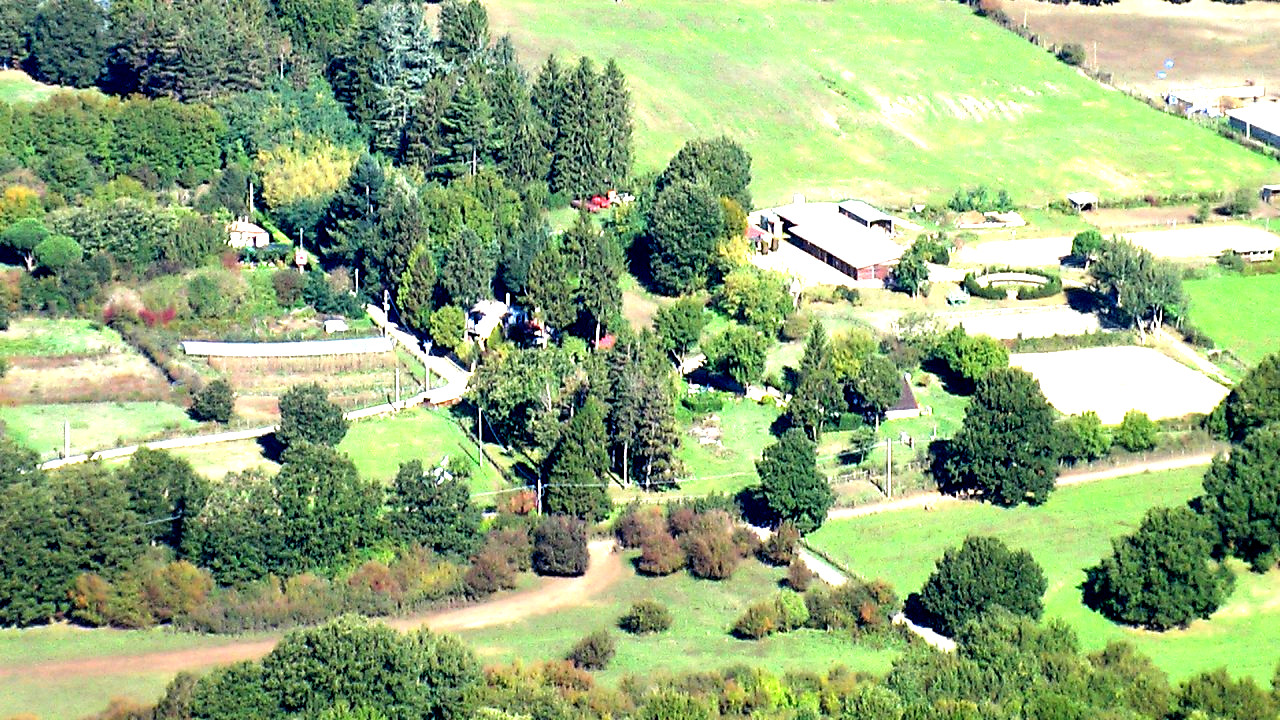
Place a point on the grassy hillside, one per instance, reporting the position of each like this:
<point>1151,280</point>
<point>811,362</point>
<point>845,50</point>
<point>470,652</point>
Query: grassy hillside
<point>17,86</point>
<point>890,100</point>
<point>1066,535</point>
<point>1217,308</point>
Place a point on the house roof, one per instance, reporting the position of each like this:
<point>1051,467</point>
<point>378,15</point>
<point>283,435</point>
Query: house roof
<point>862,210</point>
<point>1264,115</point>
<point>906,398</point>
<point>1082,198</point>
<point>244,226</point>
<point>822,225</point>
<point>1211,96</point>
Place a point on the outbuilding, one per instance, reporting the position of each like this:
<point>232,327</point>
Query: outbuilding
<point>243,234</point>
<point>1259,121</point>
<point>1083,201</point>
<point>831,233</point>
<point>1268,192</point>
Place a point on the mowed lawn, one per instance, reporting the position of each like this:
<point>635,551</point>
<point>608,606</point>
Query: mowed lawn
<point>729,463</point>
<point>1241,314</point>
<point>895,101</point>
<point>67,336</point>
<point>94,426</point>
<point>1069,533</point>
<point>699,638</point>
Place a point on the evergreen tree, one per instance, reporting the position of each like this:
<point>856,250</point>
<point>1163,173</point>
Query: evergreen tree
<point>573,476</point>
<point>464,31</point>
<point>433,509</point>
<point>136,32</point>
<point>318,27</point>
<point>1242,499</point>
<point>599,292</point>
<point>326,511</point>
<point>164,491</point>
<point>67,44</point>
<point>254,55</point>
<point>550,289</point>
<point>466,133</point>
<point>1007,448</point>
<point>979,576</point>
<point>466,270</point>
<point>578,155</point>
<point>352,217</point>
<point>1162,575</point>
<point>876,387</point>
<point>548,98</point>
<point>422,134</point>
<point>1253,402</point>
<point>790,484</point>
<point>401,227</point>
<point>720,163</point>
<point>518,254</point>
<point>615,101</point>
<point>818,398</point>
<point>520,142</point>
<point>416,288</point>
<point>400,59</point>
<point>641,418</point>
<point>15,17</point>
<point>307,415</point>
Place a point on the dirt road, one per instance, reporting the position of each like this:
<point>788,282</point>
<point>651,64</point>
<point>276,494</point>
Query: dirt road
<point>605,568</point>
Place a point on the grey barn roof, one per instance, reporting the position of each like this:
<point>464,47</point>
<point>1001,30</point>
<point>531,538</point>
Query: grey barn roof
<point>304,348</point>
<point>822,225</point>
<point>862,210</point>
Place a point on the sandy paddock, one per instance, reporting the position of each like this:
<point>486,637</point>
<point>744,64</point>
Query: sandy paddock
<point>1200,241</point>
<point>1113,380</point>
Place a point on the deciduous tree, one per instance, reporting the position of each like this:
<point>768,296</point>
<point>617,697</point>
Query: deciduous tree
<point>307,415</point>
<point>433,509</point>
<point>982,574</point>
<point>326,511</point>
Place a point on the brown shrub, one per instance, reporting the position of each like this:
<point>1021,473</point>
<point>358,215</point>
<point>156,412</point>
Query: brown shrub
<point>174,589</point>
<point>681,520</point>
<point>522,502</point>
<point>712,554</point>
<point>515,542</point>
<point>491,570</point>
<point>799,576</point>
<point>594,651</point>
<point>746,542</point>
<point>637,523</point>
<point>781,547</point>
<point>660,555</point>
<point>564,675</point>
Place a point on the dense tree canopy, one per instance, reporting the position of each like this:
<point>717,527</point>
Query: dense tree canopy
<point>1242,499</point>
<point>307,415</point>
<point>979,576</point>
<point>574,479</point>
<point>1008,446</point>
<point>1161,576</point>
<point>434,509</point>
<point>790,484</point>
<point>1252,402</point>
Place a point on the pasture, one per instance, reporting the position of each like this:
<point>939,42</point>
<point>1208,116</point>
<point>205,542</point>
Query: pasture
<point>17,86</point>
<point>1114,380</point>
<point>94,426</point>
<point>927,97</point>
<point>1069,533</point>
<point>699,638</point>
<point>1240,313</point>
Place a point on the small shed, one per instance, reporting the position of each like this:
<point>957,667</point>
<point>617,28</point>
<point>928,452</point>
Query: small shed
<point>1268,192</point>
<point>243,234</point>
<point>1083,201</point>
<point>485,317</point>
<point>907,406</point>
<point>335,325</point>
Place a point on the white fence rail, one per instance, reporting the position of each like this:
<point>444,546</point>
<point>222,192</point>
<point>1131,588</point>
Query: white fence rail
<point>302,348</point>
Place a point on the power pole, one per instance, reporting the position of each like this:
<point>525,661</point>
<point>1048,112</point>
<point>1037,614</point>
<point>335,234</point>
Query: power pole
<point>480,434</point>
<point>397,383</point>
<point>66,438</point>
<point>888,467</point>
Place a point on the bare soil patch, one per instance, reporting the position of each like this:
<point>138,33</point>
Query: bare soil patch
<point>1114,380</point>
<point>1212,44</point>
<point>118,376</point>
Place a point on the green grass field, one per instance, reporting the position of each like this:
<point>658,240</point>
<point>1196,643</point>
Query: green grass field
<point>731,464</point>
<point>1216,305</point>
<point>698,640</point>
<point>68,336</point>
<point>892,101</point>
<point>378,446</point>
<point>94,426</point>
<point>1068,534</point>
<point>16,86</point>
<point>53,697</point>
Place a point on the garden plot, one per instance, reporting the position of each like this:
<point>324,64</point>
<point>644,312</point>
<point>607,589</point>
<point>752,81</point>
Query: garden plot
<point>1114,380</point>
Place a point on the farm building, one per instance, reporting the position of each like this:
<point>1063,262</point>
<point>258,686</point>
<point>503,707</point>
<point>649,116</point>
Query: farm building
<point>852,237</point>
<point>243,234</point>
<point>1083,201</point>
<point>1213,102</point>
<point>907,405</point>
<point>1259,121</point>
<point>1268,192</point>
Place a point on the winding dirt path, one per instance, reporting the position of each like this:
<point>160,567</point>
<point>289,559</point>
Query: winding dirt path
<point>604,569</point>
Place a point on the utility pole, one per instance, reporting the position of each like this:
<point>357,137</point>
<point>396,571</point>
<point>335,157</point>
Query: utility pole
<point>397,383</point>
<point>66,438</point>
<point>480,434</point>
<point>888,467</point>
<point>1095,56</point>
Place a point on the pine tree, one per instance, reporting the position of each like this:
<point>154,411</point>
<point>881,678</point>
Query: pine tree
<point>790,483</point>
<point>352,217</point>
<point>615,100</point>
<point>599,292</point>
<point>67,45</point>
<point>577,159</point>
<point>423,131</point>
<point>254,55</point>
<point>548,98</point>
<point>417,285</point>
<point>550,289</point>
<point>402,226</point>
<point>519,136</point>
<point>464,31</point>
<point>404,62</point>
<point>574,481</point>
<point>466,270</point>
<point>466,133</point>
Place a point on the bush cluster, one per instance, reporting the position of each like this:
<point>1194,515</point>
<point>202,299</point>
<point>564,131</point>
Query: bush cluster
<point>784,612</point>
<point>855,606</point>
<point>698,536</point>
<point>704,402</point>
<point>593,652</point>
<point>646,616</point>
<point>507,550</point>
<point>780,548</point>
<point>560,546</point>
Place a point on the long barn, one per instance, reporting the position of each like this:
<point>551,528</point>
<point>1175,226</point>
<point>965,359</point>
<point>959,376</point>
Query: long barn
<point>851,236</point>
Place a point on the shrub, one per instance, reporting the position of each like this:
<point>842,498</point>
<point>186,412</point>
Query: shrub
<point>594,651</point>
<point>796,326</point>
<point>711,553</point>
<point>745,542</point>
<point>512,540</point>
<point>703,403</point>
<point>760,620</point>
<point>681,520</point>
<point>560,547</point>
<point>792,612</point>
<point>637,524</point>
<point>799,576</point>
<point>491,570</point>
<point>1136,432</point>
<point>979,576</point>
<point>1072,54</point>
<point>1231,261</point>
<point>780,549</point>
<point>660,555</point>
<point>214,403</point>
<point>288,287</point>
<point>853,606</point>
<point>206,297</point>
<point>646,616</point>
